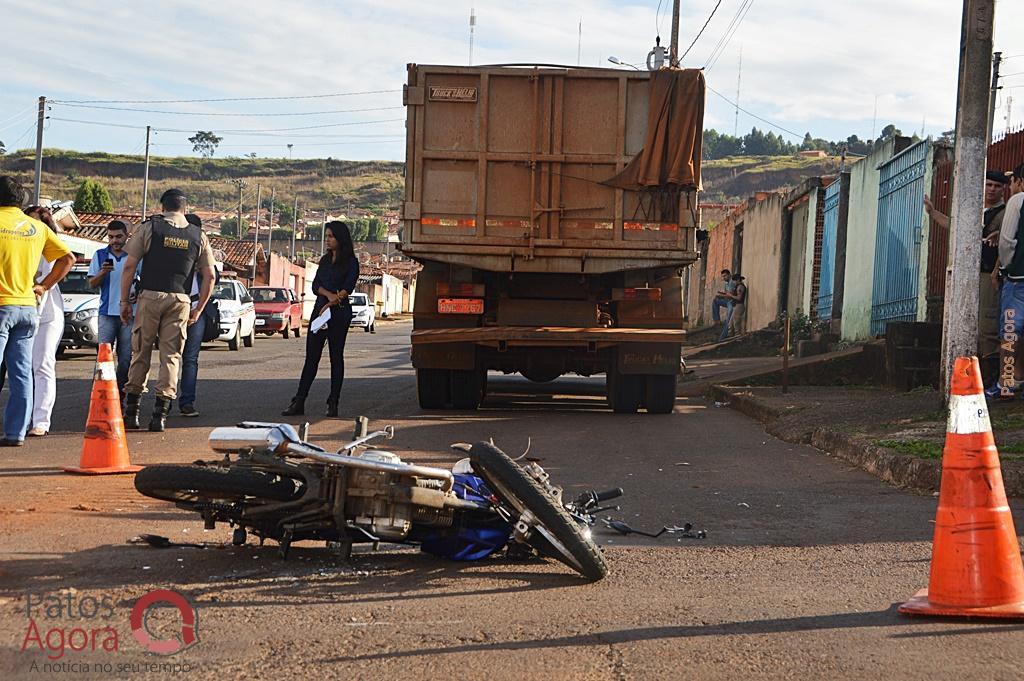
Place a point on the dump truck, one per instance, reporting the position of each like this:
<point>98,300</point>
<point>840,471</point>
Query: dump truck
<point>553,210</point>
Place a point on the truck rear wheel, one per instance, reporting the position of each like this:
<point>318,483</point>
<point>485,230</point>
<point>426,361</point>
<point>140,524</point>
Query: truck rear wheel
<point>432,387</point>
<point>625,392</point>
<point>660,393</point>
<point>467,388</point>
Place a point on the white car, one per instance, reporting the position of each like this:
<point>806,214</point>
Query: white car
<point>81,307</point>
<point>363,312</point>
<point>237,314</point>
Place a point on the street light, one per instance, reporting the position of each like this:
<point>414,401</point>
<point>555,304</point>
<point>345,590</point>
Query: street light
<point>619,62</point>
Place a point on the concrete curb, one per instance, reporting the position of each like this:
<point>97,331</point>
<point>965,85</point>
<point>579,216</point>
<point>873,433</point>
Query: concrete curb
<point>901,470</point>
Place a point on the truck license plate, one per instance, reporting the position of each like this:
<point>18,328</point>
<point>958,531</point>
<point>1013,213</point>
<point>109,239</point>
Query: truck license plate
<point>460,305</point>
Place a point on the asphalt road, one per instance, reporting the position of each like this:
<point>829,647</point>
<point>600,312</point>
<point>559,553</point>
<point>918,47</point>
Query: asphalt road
<point>799,576</point>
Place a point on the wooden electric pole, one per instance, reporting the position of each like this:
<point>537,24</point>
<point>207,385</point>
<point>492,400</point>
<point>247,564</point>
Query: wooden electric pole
<point>40,120</point>
<point>673,52</point>
<point>960,318</point>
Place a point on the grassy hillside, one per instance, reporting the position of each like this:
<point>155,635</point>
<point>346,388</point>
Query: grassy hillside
<point>331,183</point>
<point>335,183</point>
<point>737,177</point>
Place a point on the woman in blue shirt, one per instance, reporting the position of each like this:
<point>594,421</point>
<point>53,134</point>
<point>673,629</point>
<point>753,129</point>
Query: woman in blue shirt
<point>335,278</point>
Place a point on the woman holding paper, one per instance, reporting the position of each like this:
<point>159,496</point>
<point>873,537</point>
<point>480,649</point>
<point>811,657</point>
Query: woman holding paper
<point>335,278</point>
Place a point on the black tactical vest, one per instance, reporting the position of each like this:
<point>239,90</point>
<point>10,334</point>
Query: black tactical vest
<point>170,262</point>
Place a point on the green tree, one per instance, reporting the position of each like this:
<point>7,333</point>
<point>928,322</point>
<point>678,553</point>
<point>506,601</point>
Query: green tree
<point>205,143</point>
<point>312,232</point>
<point>92,197</point>
<point>101,198</point>
<point>378,231</point>
<point>360,229</point>
<point>229,228</point>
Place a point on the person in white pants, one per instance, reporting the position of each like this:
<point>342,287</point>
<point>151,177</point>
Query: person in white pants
<point>47,338</point>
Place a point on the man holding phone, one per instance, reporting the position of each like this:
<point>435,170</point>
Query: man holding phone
<point>105,275</point>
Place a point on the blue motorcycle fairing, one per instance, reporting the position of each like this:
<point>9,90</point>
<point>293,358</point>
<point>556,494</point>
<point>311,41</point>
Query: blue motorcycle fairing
<point>474,535</point>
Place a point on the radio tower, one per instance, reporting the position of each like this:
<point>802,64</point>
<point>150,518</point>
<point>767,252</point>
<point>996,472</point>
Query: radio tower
<point>472,29</point>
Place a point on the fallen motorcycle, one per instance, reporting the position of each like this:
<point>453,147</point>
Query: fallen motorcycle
<point>275,485</point>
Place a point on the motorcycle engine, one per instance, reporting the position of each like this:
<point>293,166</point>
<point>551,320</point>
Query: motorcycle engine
<point>370,500</point>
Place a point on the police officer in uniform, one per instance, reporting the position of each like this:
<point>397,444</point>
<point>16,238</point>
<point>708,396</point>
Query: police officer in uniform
<point>172,251</point>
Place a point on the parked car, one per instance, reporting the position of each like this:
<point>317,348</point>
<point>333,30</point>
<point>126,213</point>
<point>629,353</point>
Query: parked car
<point>81,307</point>
<point>237,314</point>
<point>363,312</point>
<point>278,310</point>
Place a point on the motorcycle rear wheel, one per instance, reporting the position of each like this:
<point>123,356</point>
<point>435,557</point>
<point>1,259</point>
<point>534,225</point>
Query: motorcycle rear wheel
<point>193,484</point>
<point>507,479</point>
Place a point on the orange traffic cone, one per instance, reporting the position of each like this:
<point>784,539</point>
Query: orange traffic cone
<point>976,564</point>
<point>105,449</point>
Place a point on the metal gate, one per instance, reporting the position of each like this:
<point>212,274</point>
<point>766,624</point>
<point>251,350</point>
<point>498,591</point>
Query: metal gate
<point>898,240</point>
<point>830,226</point>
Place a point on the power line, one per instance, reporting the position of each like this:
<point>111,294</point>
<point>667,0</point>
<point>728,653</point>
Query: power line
<point>237,115</point>
<point>221,99</point>
<point>701,32</point>
<point>727,38</point>
<point>259,132</point>
<point>753,115</point>
<point>279,146</point>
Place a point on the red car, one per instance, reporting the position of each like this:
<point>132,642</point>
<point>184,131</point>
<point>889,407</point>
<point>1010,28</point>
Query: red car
<point>278,310</point>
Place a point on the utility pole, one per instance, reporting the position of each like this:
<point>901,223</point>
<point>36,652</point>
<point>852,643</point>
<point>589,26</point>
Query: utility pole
<point>997,59</point>
<point>295,224</point>
<point>259,197</point>
<point>323,228</point>
<point>579,43</point>
<point>673,53</point>
<point>472,30</point>
<point>238,225</point>
<point>739,76</point>
<point>39,149</point>
<point>145,178</point>
<point>270,226</point>
<point>960,319</point>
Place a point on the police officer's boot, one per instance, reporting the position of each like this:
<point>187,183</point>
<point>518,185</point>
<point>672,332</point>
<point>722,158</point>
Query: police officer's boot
<point>296,408</point>
<point>131,411</point>
<point>160,411</point>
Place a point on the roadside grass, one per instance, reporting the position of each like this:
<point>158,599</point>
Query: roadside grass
<point>922,449</point>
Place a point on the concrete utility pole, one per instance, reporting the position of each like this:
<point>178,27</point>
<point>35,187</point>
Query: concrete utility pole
<point>997,59</point>
<point>295,224</point>
<point>270,226</point>
<point>39,149</point>
<point>145,177</point>
<point>673,52</point>
<point>259,197</point>
<point>960,319</point>
<point>238,225</point>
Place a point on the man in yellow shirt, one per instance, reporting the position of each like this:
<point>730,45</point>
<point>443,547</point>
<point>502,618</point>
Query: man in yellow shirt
<point>22,241</point>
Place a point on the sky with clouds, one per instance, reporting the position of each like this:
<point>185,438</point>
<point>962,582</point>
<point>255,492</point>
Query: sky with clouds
<point>823,68</point>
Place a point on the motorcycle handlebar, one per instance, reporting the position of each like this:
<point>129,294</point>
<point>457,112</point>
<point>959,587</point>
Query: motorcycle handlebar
<point>593,497</point>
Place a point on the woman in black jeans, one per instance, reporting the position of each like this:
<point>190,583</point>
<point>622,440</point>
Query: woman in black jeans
<point>335,278</point>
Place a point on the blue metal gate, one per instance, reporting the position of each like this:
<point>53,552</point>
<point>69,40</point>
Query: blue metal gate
<point>828,249</point>
<point>898,240</point>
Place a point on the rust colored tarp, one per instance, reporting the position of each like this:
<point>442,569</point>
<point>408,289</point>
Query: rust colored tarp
<point>675,127</point>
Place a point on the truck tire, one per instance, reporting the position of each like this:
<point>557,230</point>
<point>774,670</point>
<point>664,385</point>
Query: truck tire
<point>518,489</point>
<point>625,392</point>
<point>467,389</point>
<point>660,394</point>
<point>432,387</point>
<point>191,484</point>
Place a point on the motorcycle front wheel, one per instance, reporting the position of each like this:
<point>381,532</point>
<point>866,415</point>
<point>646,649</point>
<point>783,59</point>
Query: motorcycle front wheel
<point>184,484</point>
<point>558,534</point>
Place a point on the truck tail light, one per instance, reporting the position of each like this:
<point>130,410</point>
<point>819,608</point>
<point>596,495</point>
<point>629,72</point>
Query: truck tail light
<point>454,290</point>
<point>652,294</point>
<point>460,305</point>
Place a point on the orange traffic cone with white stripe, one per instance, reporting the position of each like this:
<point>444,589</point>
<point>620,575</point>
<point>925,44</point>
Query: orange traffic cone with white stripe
<point>105,449</point>
<point>976,564</point>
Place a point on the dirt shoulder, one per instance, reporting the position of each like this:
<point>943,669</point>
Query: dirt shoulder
<point>897,436</point>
